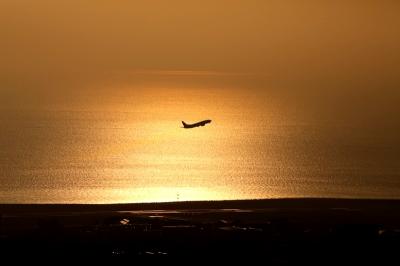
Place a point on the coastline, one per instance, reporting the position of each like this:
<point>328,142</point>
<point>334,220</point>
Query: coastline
<point>284,203</point>
<point>280,231</point>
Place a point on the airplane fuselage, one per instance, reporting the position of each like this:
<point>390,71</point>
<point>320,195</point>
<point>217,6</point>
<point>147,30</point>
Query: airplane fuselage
<point>198,124</point>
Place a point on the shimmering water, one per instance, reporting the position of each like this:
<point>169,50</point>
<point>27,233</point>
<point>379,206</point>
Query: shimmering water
<point>128,146</point>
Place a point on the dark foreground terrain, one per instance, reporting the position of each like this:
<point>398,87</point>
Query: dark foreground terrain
<point>284,231</point>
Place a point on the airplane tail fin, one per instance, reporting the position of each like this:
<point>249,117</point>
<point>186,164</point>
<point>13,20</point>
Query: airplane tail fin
<point>184,124</point>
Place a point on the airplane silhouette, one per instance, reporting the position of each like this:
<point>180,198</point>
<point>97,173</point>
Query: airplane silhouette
<point>198,124</point>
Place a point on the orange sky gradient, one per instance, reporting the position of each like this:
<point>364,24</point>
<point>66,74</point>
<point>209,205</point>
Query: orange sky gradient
<point>296,41</point>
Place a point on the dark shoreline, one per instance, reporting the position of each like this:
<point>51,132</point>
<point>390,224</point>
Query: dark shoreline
<point>278,231</point>
<point>283,203</point>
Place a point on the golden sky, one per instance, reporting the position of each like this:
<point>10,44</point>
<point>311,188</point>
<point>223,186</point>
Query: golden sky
<point>296,41</point>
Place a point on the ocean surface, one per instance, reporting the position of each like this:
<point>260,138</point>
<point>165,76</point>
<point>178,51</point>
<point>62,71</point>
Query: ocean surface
<point>128,145</point>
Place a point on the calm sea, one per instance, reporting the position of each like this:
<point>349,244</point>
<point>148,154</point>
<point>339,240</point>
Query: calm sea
<point>128,145</point>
